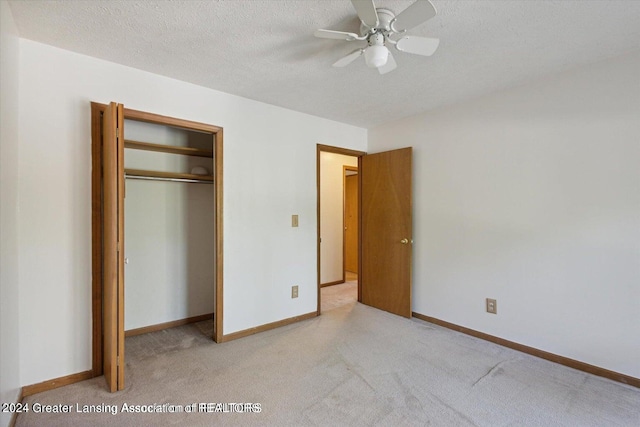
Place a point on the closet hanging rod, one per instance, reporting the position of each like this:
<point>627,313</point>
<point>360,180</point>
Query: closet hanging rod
<point>155,178</point>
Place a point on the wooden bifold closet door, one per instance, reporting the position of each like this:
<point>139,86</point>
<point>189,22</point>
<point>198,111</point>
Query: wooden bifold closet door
<point>113,245</point>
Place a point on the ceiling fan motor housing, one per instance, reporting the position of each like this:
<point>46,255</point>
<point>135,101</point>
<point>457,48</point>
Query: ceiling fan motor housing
<point>385,16</point>
<point>376,39</point>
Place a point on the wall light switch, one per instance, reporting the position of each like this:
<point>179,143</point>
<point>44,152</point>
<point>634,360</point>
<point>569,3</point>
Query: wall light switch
<point>294,220</point>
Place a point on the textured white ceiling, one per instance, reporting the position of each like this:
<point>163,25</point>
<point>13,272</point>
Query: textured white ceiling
<point>265,50</point>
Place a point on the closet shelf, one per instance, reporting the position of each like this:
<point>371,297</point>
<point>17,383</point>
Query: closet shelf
<point>187,151</point>
<point>171,176</point>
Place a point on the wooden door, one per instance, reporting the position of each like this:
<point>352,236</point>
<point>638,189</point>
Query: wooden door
<point>386,220</point>
<point>113,246</point>
<point>351,222</point>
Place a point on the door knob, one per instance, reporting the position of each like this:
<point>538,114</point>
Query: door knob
<point>404,241</point>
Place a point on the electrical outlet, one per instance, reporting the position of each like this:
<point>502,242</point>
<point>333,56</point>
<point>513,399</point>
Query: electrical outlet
<point>294,291</point>
<point>492,306</point>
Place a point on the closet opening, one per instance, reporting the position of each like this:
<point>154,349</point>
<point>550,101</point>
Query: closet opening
<point>169,218</point>
<point>156,229</point>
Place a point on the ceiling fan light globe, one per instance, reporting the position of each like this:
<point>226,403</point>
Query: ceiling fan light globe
<point>376,56</point>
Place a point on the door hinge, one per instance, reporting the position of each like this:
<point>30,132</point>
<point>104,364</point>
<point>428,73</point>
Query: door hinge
<point>117,360</point>
<point>117,133</point>
<point>118,247</point>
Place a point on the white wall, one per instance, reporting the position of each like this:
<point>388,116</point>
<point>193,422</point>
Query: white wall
<point>169,229</point>
<point>9,289</point>
<point>332,214</point>
<point>269,174</point>
<point>532,196</point>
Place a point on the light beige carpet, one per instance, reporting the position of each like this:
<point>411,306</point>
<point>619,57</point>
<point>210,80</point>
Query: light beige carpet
<point>338,295</point>
<point>354,365</point>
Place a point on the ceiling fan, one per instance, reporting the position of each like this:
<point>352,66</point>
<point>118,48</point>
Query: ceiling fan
<point>380,27</point>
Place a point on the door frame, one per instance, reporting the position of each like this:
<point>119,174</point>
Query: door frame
<point>347,152</point>
<point>346,168</point>
<point>97,218</point>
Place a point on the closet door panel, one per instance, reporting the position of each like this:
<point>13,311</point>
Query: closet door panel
<point>121,249</point>
<point>113,281</point>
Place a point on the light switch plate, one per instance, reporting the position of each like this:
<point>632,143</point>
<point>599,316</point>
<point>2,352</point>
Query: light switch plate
<point>294,220</point>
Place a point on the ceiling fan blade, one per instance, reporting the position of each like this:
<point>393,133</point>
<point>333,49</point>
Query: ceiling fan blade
<point>414,15</point>
<point>366,12</point>
<point>389,66</point>
<point>419,45</point>
<point>343,62</point>
<point>335,35</point>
